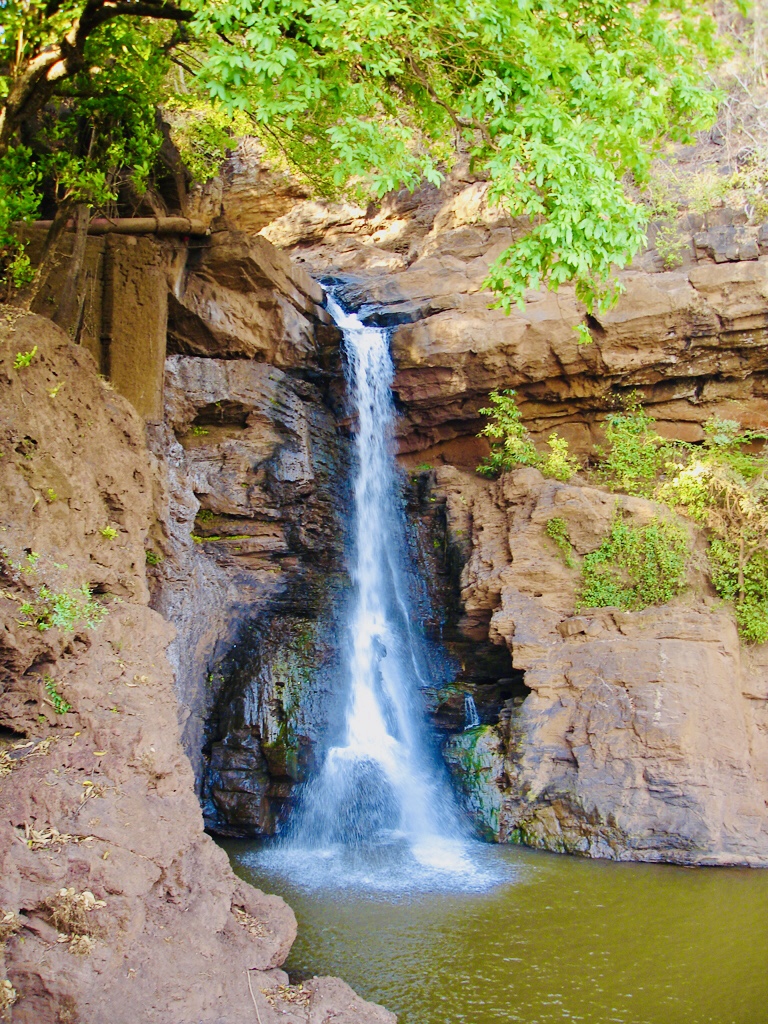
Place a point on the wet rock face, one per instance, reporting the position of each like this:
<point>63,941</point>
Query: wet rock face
<point>254,577</point>
<point>644,734</point>
<point>466,663</point>
<point>280,697</point>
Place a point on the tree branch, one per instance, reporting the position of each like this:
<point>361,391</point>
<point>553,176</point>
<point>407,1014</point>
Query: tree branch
<point>458,121</point>
<point>34,86</point>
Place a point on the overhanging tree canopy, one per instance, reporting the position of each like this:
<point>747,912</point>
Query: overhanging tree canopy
<point>557,102</point>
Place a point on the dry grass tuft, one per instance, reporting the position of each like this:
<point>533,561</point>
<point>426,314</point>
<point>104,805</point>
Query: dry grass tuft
<point>8,996</point>
<point>70,911</point>
<point>78,945</point>
<point>9,315</point>
<point>9,925</point>
<point>15,755</point>
<point>249,922</point>
<point>297,995</point>
<point>49,837</point>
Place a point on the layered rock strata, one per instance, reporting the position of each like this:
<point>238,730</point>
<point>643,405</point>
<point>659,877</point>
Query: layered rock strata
<point>249,564</point>
<point>114,904</point>
<point>692,340</point>
<point>253,577</point>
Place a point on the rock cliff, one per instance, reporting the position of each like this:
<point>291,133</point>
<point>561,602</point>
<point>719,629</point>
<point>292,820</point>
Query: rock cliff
<point>645,734</point>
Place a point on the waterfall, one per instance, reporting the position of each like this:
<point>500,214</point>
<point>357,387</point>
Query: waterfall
<point>380,810</point>
<point>471,717</point>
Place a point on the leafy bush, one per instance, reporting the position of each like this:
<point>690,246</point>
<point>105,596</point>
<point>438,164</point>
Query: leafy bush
<point>19,200</point>
<point>204,133</point>
<point>558,461</point>
<point>635,566</point>
<point>724,487</point>
<point>670,245</point>
<point>745,583</point>
<point>64,610</point>
<point>511,444</point>
<point>636,454</point>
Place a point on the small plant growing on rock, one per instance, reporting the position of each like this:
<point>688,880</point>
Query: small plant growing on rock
<point>583,334</point>
<point>64,610</point>
<point>59,705</point>
<point>512,445</point>
<point>108,532</point>
<point>636,454</point>
<point>670,245</point>
<point>153,558</point>
<point>635,566</point>
<point>24,358</point>
<point>557,530</point>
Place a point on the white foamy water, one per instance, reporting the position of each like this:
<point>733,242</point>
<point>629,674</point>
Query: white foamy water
<point>380,814</point>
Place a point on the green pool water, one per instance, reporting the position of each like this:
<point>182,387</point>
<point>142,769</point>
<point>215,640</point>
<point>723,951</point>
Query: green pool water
<point>557,939</point>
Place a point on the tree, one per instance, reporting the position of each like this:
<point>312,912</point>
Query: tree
<point>556,102</point>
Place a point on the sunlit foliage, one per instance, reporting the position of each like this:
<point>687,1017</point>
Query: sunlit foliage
<point>555,102</point>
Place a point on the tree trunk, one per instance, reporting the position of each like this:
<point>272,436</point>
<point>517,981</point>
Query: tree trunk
<point>70,301</point>
<point>56,229</point>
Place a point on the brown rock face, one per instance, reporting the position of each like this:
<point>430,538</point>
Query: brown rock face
<point>252,578</point>
<point>644,735</point>
<point>243,298</point>
<point>692,340</point>
<point>123,909</point>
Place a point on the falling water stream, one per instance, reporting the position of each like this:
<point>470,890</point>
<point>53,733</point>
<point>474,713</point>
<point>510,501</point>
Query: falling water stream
<point>380,813</point>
